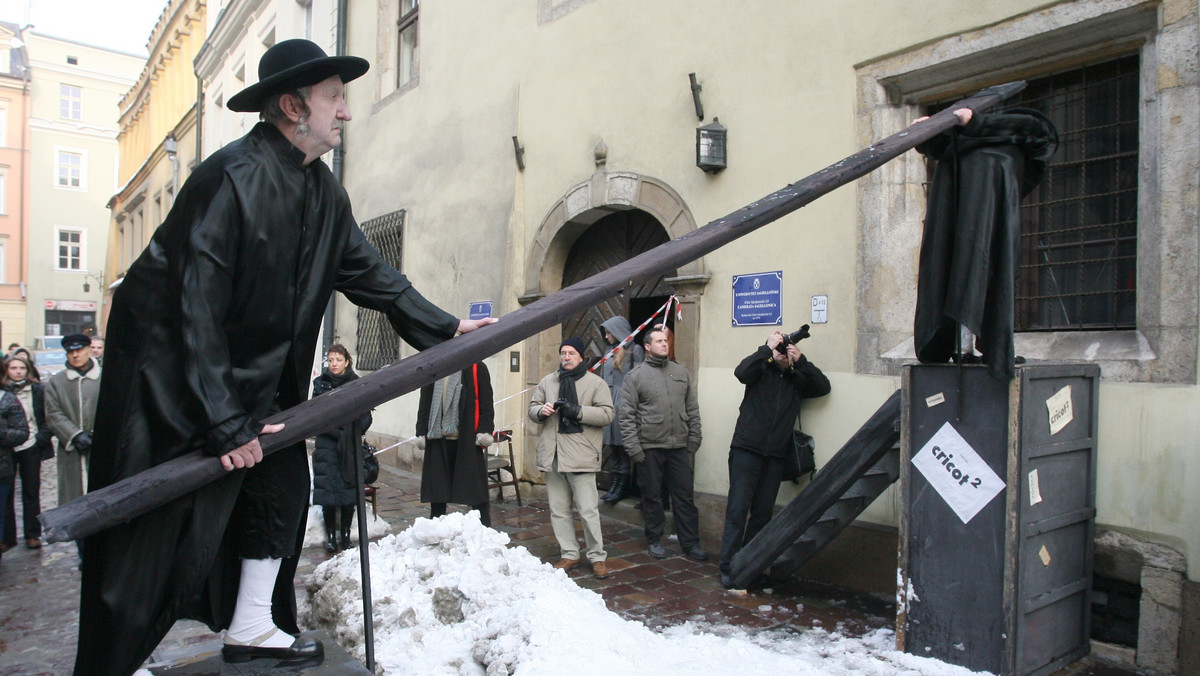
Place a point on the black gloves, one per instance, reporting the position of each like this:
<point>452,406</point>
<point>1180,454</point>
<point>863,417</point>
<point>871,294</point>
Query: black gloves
<point>568,410</point>
<point>82,442</point>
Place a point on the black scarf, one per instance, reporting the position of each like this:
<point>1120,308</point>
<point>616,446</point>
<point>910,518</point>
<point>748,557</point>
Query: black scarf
<point>566,392</point>
<point>336,381</point>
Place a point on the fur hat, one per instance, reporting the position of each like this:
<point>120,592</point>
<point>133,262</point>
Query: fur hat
<point>292,64</point>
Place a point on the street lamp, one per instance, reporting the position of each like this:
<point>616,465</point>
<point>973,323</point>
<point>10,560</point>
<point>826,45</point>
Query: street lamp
<point>98,276</point>
<point>710,147</point>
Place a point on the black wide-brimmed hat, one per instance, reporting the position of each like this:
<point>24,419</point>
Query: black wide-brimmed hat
<point>291,64</point>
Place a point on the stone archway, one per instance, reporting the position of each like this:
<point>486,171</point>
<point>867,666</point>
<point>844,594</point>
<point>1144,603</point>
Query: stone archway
<point>578,209</point>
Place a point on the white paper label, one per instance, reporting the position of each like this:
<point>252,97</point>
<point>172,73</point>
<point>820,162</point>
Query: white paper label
<point>1044,555</point>
<point>1035,491</point>
<point>957,473</point>
<point>935,399</point>
<point>1060,409</point>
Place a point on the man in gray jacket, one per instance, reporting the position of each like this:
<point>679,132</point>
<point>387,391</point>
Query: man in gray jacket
<point>660,424</point>
<point>71,397</point>
<point>574,406</point>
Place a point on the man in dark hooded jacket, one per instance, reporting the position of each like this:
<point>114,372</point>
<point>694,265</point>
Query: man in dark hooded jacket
<point>212,330</point>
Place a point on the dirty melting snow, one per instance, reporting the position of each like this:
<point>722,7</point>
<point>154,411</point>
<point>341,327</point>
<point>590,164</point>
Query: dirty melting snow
<point>452,598</point>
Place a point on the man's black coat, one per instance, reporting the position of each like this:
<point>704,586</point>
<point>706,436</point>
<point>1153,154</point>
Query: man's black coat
<point>771,402</point>
<point>968,262</point>
<point>214,328</point>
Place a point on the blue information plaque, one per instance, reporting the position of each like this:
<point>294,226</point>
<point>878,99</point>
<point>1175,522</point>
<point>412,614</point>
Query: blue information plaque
<point>480,310</point>
<point>758,299</point>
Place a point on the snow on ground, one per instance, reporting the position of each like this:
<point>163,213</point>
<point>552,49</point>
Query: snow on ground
<point>452,598</point>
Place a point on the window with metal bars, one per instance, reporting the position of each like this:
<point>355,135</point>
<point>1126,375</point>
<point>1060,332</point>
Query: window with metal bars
<point>1077,266</point>
<point>378,344</point>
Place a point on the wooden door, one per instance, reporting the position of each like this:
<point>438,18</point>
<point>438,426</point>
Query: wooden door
<point>611,240</point>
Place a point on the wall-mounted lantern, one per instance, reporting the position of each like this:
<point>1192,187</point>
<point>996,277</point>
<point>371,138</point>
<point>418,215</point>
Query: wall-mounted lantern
<point>710,147</point>
<point>98,276</point>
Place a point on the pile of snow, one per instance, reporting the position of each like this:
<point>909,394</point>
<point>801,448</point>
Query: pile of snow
<point>452,598</point>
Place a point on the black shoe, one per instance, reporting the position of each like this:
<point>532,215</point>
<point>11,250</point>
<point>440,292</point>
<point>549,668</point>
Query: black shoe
<point>301,649</point>
<point>346,538</point>
<point>331,542</point>
<point>726,581</point>
<point>656,550</point>
<point>696,554</point>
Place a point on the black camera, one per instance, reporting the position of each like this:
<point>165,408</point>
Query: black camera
<point>792,338</point>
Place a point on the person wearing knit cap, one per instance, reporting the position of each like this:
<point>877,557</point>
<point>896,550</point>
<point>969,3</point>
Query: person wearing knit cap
<point>573,405</point>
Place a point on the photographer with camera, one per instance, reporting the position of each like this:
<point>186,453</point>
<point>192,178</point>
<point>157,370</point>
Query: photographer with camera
<point>777,377</point>
<point>573,406</point>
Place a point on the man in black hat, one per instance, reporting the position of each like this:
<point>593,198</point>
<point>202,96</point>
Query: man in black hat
<point>212,330</point>
<point>71,397</point>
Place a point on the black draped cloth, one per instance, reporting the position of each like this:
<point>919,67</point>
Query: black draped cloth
<point>213,329</point>
<point>968,263</point>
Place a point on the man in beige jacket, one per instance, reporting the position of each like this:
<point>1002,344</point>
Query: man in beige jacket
<point>573,405</point>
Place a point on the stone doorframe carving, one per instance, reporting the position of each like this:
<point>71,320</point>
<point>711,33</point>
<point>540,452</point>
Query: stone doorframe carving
<point>576,211</point>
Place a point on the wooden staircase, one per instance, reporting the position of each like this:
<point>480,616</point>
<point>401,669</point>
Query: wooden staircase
<point>865,466</point>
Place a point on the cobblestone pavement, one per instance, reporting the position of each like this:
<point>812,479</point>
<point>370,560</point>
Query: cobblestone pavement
<point>39,588</point>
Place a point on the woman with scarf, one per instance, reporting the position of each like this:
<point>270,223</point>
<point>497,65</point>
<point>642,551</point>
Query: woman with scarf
<point>613,371</point>
<point>573,406</point>
<point>455,420</point>
<point>18,380</point>
<point>337,451</point>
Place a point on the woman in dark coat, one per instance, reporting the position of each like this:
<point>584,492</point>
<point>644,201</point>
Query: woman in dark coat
<point>335,455</point>
<point>455,420</point>
<point>18,379</point>
<point>13,432</point>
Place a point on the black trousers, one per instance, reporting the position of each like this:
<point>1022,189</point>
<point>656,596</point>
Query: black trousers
<point>29,466</point>
<point>753,485</point>
<point>673,465</point>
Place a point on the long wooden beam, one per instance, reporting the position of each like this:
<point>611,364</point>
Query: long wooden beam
<point>136,495</point>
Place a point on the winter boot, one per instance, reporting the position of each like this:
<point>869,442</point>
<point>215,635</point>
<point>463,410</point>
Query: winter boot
<point>619,489</point>
<point>330,514</point>
<point>347,515</point>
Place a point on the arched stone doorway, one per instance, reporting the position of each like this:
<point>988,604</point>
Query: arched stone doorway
<point>581,207</point>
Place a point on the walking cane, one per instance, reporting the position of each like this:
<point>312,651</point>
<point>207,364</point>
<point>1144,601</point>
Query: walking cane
<point>363,557</point>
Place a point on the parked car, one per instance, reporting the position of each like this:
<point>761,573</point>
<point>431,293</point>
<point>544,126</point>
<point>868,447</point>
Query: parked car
<point>47,343</point>
<point>49,362</point>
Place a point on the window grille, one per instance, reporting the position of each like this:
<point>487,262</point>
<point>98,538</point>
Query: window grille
<point>378,344</point>
<point>1077,262</point>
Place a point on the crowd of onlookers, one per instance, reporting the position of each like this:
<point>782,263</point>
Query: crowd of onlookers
<point>39,412</point>
<point>634,414</point>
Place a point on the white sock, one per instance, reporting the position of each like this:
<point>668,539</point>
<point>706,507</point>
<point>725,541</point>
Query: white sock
<point>252,623</point>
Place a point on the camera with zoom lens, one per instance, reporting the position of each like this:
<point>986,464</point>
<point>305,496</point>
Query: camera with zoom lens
<point>792,338</point>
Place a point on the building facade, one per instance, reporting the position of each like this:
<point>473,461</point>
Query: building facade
<point>158,136</point>
<point>14,184</point>
<point>597,97</point>
<point>73,171</point>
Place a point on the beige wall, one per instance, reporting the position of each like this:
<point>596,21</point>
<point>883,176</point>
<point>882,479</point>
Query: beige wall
<point>784,78</point>
<point>103,76</point>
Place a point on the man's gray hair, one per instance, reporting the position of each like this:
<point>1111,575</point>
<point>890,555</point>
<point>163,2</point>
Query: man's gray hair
<point>274,114</point>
